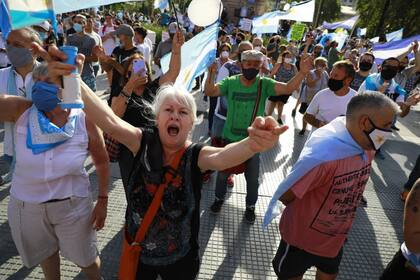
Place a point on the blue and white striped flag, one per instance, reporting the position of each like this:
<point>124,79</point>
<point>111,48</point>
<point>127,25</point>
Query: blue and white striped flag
<point>393,36</point>
<point>393,48</point>
<point>29,12</point>
<point>197,55</point>
<point>161,4</point>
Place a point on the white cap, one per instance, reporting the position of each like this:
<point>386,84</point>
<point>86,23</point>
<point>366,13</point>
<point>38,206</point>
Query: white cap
<point>44,25</point>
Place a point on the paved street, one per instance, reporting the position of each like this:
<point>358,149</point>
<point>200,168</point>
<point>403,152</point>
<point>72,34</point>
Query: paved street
<point>232,249</point>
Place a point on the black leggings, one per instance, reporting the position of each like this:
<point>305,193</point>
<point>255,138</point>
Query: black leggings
<point>185,269</point>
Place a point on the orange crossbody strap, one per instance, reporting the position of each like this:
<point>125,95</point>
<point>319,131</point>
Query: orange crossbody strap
<point>154,206</point>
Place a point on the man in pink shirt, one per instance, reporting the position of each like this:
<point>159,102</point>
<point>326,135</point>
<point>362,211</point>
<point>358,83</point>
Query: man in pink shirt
<point>321,204</point>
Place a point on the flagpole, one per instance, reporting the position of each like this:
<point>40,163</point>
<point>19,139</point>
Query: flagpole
<point>174,10</point>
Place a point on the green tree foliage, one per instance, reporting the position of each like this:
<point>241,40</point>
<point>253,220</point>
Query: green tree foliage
<point>399,14</point>
<point>330,10</point>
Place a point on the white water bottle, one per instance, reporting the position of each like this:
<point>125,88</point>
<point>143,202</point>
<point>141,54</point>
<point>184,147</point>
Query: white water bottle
<point>72,97</point>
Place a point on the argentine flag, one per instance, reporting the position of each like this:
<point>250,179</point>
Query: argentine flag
<point>196,55</point>
<point>267,23</point>
<point>161,4</point>
<point>29,12</point>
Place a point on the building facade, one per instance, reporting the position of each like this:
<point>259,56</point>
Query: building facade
<point>237,9</point>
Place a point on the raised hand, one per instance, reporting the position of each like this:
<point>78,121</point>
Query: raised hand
<point>177,42</point>
<point>56,67</point>
<point>264,133</point>
<point>306,64</point>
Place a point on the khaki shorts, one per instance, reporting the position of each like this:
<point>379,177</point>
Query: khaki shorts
<point>40,230</point>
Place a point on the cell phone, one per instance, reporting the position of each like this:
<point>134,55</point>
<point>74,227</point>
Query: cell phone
<point>139,66</point>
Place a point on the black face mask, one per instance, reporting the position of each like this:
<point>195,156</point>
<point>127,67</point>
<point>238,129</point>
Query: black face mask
<point>317,54</point>
<point>365,66</point>
<point>238,41</point>
<point>388,73</point>
<point>335,85</point>
<point>250,73</point>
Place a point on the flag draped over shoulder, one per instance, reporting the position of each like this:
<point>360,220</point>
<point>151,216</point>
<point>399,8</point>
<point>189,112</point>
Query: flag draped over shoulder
<point>197,55</point>
<point>328,143</point>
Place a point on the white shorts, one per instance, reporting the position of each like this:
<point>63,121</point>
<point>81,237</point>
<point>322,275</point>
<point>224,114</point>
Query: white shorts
<point>40,230</point>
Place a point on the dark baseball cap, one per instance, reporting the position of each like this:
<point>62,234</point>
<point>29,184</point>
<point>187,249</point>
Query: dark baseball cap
<point>124,29</point>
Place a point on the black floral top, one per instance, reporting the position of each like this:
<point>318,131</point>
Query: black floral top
<point>174,230</point>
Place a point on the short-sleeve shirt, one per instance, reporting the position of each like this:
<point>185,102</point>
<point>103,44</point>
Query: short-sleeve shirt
<point>163,48</point>
<point>241,103</point>
<point>326,105</point>
<point>85,44</point>
<point>320,217</point>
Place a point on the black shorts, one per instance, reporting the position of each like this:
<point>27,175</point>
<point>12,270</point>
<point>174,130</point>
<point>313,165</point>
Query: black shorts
<point>292,262</point>
<point>279,98</point>
<point>303,108</point>
<point>186,268</point>
<point>396,269</point>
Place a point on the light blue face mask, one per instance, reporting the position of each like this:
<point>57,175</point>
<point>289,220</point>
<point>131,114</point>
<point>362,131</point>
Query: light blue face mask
<point>42,35</point>
<point>78,27</point>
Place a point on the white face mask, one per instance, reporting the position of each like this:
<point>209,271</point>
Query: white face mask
<point>258,48</point>
<point>224,54</point>
<point>378,136</point>
<point>288,60</point>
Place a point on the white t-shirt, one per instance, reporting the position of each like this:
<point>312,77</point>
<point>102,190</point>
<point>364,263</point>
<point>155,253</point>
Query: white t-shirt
<point>326,105</point>
<point>145,50</point>
<point>109,44</point>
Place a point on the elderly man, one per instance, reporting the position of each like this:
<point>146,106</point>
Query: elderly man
<point>325,186</point>
<point>17,80</point>
<point>245,94</point>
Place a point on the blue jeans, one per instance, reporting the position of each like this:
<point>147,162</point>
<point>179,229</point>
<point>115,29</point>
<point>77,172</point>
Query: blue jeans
<point>217,127</point>
<point>252,173</point>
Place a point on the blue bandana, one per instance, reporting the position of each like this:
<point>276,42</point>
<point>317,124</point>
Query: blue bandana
<point>43,135</point>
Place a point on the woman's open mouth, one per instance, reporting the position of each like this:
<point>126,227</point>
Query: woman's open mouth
<point>173,130</point>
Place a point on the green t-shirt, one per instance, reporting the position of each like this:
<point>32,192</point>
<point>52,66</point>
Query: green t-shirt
<point>241,102</point>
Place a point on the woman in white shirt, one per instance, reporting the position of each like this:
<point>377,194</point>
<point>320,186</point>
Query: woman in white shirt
<point>51,208</point>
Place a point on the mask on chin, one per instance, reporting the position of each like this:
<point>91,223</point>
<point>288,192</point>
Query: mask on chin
<point>377,136</point>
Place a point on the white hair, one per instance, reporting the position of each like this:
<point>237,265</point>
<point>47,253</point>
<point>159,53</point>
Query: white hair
<point>177,93</point>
